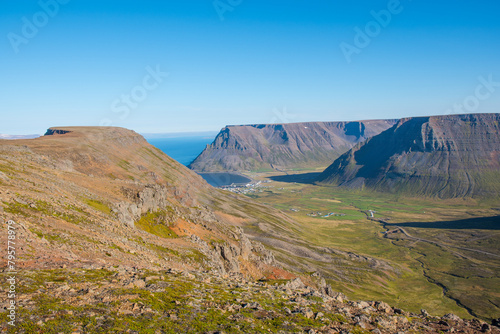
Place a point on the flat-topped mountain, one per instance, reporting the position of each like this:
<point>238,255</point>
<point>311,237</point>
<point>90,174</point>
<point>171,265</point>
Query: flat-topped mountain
<point>277,146</point>
<point>445,156</point>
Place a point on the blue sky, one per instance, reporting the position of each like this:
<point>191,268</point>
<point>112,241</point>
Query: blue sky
<point>264,62</point>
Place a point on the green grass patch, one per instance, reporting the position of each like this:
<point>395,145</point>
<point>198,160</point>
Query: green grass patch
<point>156,223</point>
<point>44,208</point>
<point>98,205</point>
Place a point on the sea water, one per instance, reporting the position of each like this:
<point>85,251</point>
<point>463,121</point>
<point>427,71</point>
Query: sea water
<point>222,179</point>
<point>186,149</point>
<point>182,149</point>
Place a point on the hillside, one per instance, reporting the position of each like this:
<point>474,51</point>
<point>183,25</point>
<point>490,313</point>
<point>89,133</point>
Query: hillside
<point>445,156</point>
<point>89,196</point>
<point>129,300</point>
<point>112,234</point>
<point>104,196</point>
<point>284,146</point>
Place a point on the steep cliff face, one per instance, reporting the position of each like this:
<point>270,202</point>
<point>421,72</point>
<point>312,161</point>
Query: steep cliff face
<point>268,146</point>
<point>445,156</point>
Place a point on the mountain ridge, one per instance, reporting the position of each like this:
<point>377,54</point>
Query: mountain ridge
<point>281,146</point>
<point>446,156</point>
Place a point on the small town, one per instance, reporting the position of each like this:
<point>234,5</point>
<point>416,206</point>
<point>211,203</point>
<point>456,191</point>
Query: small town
<point>248,188</point>
<point>322,215</point>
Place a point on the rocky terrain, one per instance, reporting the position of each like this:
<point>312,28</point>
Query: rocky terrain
<point>90,195</point>
<point>113,236</point>
<point>283,146</point>
<point>443,156</point>
<point>119,299</point>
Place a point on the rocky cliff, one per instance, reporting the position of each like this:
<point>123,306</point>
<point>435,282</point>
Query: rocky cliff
<point>445,156</point>
<point>278,146</point>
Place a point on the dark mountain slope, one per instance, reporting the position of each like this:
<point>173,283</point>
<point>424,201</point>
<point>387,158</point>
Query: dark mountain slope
<point>446,156</point>
<point>267,146</point>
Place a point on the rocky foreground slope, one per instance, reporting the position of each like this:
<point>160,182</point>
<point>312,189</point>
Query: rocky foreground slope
<point>281,146</point>
<point>113,236</point>
<point>444,156</point>
<point>131,300</point>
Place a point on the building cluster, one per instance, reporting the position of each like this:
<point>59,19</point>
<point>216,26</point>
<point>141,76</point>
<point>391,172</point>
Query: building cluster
<point>323,215</point>
<point>252,187</point>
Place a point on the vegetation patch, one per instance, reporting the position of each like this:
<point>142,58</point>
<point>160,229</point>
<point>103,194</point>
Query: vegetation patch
<point>98,205</point>
<point>421,270</point>
<point>42,207</point>
<point>156,223</point>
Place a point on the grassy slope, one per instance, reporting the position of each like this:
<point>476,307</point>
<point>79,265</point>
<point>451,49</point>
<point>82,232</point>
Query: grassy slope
<point>467,277</point>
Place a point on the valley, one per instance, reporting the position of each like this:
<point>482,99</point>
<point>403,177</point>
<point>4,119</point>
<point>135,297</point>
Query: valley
<point>444,254</point>
<point>250,167</point>
<point>113,234</point>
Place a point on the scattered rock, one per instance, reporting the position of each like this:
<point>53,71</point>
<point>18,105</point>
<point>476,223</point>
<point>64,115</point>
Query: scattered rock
<point>295,284</point>
<point>485,328</point>
<point>307,312</point>
<point>451,316</point>
<point>137,284</point>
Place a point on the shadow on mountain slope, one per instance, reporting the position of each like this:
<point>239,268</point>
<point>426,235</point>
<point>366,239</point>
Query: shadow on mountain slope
<point>306,178</point>
<point>481,223</point>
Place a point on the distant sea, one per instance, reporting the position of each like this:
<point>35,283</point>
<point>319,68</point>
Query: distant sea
<point>185,148</point>
<point>182,149</point>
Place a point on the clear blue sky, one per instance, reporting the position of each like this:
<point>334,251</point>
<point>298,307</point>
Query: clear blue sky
<point>266,61</point>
